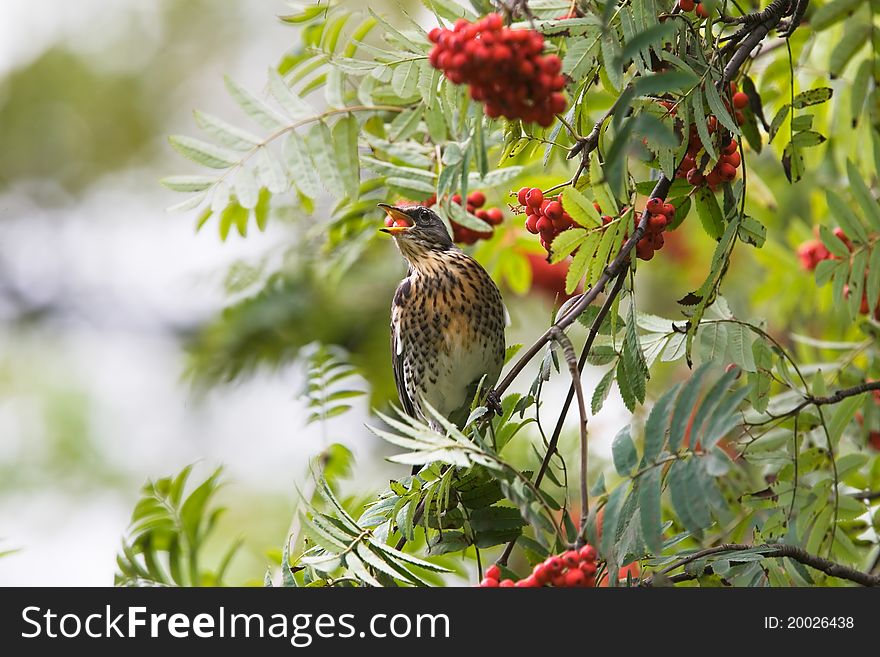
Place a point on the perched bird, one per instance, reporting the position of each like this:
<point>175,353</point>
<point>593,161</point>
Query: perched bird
<point>447,320</point>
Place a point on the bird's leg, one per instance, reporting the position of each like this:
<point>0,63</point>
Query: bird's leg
<point>493,402</point>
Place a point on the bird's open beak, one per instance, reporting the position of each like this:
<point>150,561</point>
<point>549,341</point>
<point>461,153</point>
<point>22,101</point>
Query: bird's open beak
<point>399,216</point>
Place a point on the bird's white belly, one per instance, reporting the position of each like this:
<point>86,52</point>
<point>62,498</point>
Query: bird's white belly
<point>456,370</point>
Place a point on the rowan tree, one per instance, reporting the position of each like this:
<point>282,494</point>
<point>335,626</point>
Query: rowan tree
<point>580,147</point>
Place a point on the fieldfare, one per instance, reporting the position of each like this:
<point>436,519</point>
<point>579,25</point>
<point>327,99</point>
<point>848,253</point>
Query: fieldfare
<point>447,320</point>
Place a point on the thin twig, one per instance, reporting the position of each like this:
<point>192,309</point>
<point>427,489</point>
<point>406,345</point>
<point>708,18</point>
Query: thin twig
<point>568,352</point>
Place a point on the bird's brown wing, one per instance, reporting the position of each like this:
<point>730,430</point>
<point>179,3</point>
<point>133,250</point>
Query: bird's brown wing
<point>397,349</point>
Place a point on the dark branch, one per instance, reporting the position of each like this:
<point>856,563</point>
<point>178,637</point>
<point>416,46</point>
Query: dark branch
<point>793,552</point>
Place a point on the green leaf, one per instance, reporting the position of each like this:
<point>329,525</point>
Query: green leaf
<point>872,286</point>
<point>657,424</point>
<point>718,108</point>
<point>295,106</point>
<point>807,139</point>
<point>577,268</point>
<point>601,190</point>
<point>702,127</point>
<point>868,204</point>
<point>623,452</point>
<point>345,144</point>
<point>678,489</point>
<point>203,152</point>
<point>228,135</point>
<point>709,212</point>
<point>271,172</point>
<point>669,81</point>
<point>778,120</point>
<point>261,210</point>
<point>856,37</point>
<point>812,97</point>
<point>246,188</point>
<point>685,403</point>
<point>254,107</point>
<point>830,13</point>
<point>609,521</point>
<point>320,146</point>
<point>833,243</point>
<point>405,79</point>
<point>188,183</point>
<point>739,347</point>
<point>843,415</point>
<point>580,208</point>
<point>302,169</point>
<point>566,242</point>
<point>844,215</point>
<point>600,393</point>
<point>233,215</point>
<point>649,510</point>
<point>751,231</point>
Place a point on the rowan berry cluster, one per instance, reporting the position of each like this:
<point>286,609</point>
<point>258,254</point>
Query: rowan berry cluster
<point>544,216</point>
<point>474,205</point>
<point>812,252</point>
<point>725,169</point>
<point>572,569</point>
<point>661,215</point>
<point>547,217</point>
<point>504,68</point>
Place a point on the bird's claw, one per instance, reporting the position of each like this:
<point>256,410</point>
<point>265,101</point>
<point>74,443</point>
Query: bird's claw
<point>493,403</point>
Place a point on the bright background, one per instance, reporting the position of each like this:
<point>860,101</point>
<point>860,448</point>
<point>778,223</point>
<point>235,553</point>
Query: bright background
<point>100,289</point>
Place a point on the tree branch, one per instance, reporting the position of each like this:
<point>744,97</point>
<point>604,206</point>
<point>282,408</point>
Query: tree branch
<point>619,264</point>
<point>793,552</point>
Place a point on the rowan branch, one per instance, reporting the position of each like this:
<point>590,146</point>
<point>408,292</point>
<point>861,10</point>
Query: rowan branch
<point>830,568</point>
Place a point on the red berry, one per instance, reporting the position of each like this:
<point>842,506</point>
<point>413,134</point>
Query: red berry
<point>587,567</point>
<point>740,117</point>
<point>527,583</point>
<point>686,5</point>
<point>731,147</point>
<point>551,64</point>
<point>654,205</point>
<point>541,575</point>
<point>669,210</point>
<point>713,178</point>
<point>521,195</point>
<point>657,222</point>
<point>389,222</point>
<point>477,199</point>
<point>695,178</point>
<point>645,249</point>
<point>657,241</point>
<point>606,219</point>
<point>495,216</point>
<point>544,225</point>
<point>701,11</point>
<point>456,198</point>
<point>488,582</point>
<point>740,100</point>
<point>588,553</point>
<point>726,172</point>
<point>531,224</point>
<point>535,197</point>
<point>493,572</point>
<point>733,159</point>
<point>506,582</point>
<point>553,210</point>
<point>575,578</point>
<point>553,565</point>
<point>558,579</point>
<point>571,559</point>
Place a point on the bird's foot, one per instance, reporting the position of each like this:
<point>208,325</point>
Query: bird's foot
<point>493,403</point>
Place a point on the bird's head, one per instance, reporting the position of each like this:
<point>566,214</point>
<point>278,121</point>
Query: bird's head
<point>417,230</point>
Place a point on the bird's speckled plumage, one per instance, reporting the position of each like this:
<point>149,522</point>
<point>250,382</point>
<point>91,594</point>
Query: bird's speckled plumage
<point>447,322</point>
